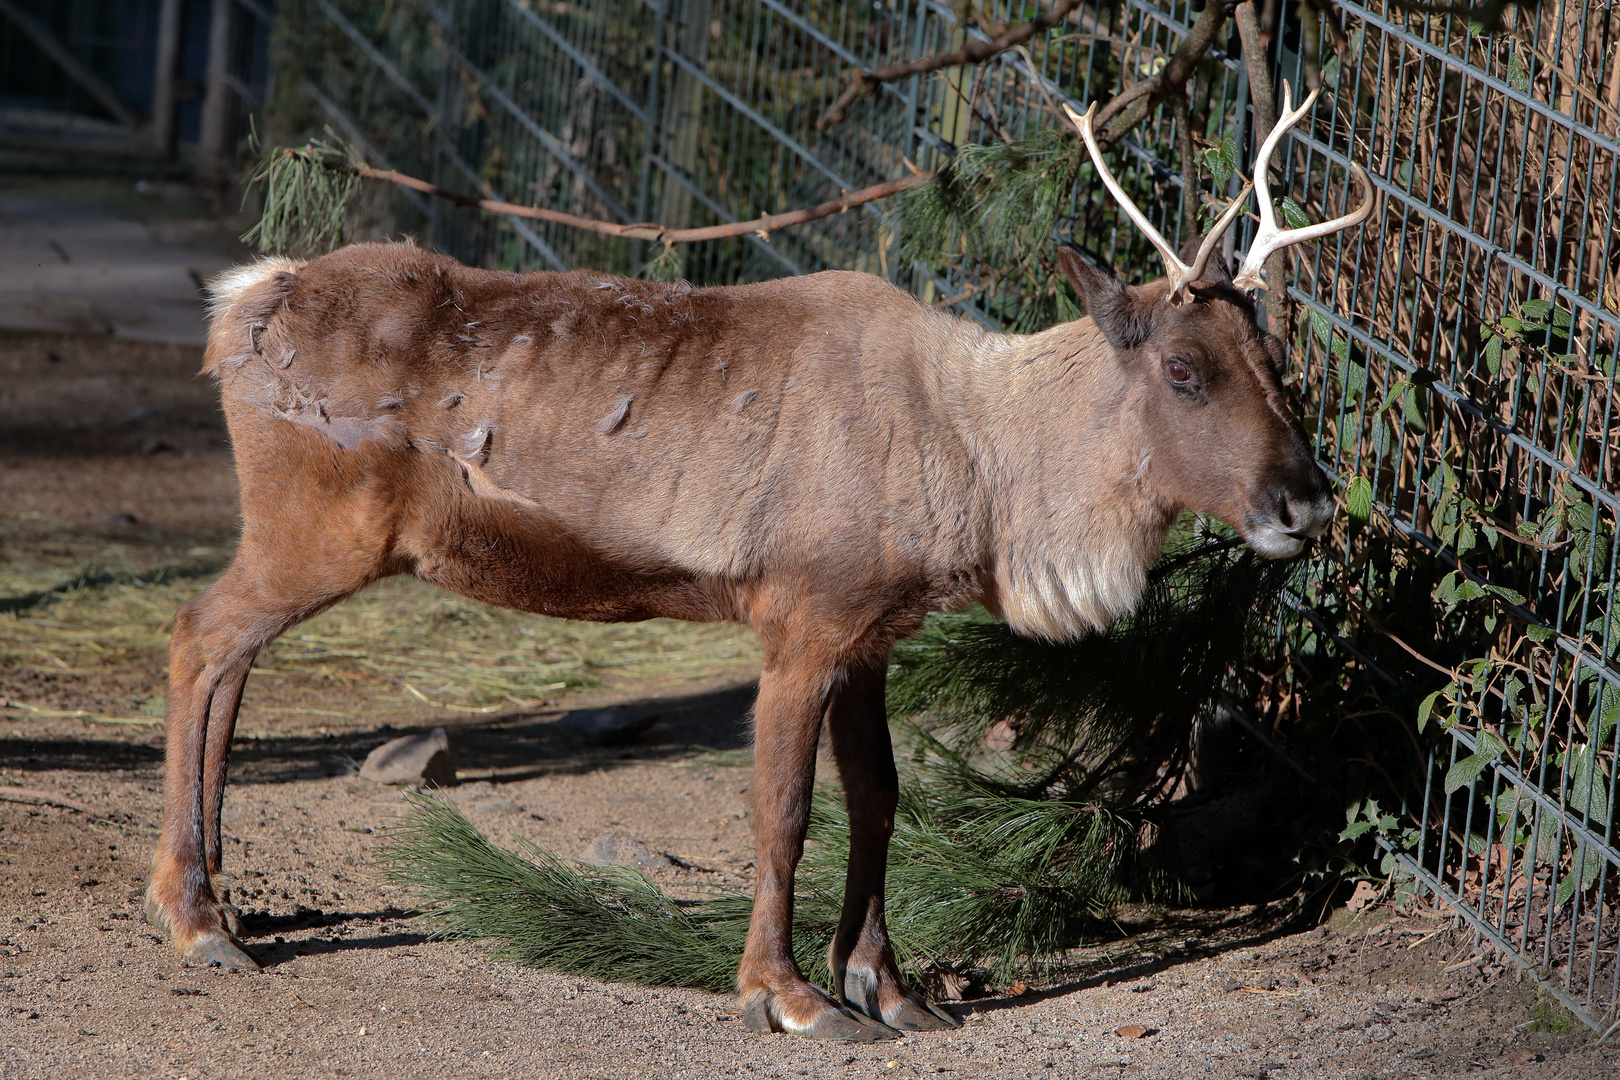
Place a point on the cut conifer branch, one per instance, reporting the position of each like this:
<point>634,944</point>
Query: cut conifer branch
<point>862,83</point>
<point>286,222</point>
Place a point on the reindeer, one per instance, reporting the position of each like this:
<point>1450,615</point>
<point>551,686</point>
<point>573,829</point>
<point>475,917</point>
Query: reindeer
<point>823,458</point>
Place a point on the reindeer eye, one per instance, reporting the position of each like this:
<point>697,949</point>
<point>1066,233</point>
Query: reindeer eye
<point>1178,373</point>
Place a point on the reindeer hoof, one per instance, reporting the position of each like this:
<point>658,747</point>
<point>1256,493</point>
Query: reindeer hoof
<point>830,1022</point>
<point>836,1025</point>
<point>864,993</point>
<point>221,950</point>
<point>216,948</point>
<point>154,914</point>
<point>912,1013</point>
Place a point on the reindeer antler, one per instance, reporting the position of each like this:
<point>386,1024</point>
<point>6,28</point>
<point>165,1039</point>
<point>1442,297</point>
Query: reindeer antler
<point>1180,274</point>
<point>1269,238</point>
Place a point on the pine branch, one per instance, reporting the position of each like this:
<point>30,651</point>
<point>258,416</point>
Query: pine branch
<point>974,876</point>
<point>862,83</point>
<point>317,156</point>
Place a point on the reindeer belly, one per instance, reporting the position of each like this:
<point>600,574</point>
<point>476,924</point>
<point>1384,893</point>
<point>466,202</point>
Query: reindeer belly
<point>521,555</point>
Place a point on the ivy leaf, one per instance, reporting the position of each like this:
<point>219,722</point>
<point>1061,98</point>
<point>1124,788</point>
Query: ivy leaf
<point>1321,327</point>
<point>1589,784</point>
<point>1352,376</point>
<point>1446,591</point>
<point>1466,538</point>
<point>1358,499</point>
<point>1381,440</point>
<point>1537,633</point>
<point>1588,863</point>
<point>1468,769</point>
<point>1292,212</point>
<point>1427,708</point>
<point>1536,309</point>
<point>1413,412</point>
<point>1221,160</point>
<point>1507,594</point>
<point>1518,77</point>
<point>1465,771</point>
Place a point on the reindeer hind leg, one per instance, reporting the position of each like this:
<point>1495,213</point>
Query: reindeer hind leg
<point>215,640</point>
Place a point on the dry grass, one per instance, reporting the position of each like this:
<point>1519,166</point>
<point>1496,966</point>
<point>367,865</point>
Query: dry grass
<point>426,644</point>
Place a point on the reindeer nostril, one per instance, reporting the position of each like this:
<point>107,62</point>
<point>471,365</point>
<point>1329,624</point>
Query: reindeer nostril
<point>1286,518</point>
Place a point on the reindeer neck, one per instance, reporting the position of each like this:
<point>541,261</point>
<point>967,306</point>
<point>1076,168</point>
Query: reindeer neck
<point>1048,420</point>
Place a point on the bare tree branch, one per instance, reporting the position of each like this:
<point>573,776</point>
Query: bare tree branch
<point>761,226</point>
<point>1131,107</point>
<point>1263,95</point>
<point>974,52</point>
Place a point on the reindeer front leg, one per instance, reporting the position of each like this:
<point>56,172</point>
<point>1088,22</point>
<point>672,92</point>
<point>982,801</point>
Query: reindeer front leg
<point>861,958</point>
<point>775,996</point>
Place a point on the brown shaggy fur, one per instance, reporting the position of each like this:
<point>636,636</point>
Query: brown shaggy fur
<point>821,458</point>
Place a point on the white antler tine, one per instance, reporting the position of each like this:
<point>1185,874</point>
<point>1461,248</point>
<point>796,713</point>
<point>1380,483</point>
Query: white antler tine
<point>1213,240</point>
<point>1178,271</point>
<point>1269,238</point>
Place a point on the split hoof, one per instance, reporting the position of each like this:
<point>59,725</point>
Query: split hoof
<point>912,1013</point>
<point>223,951</point>
<point>864,991</point>
<point>829,1022</point>
<point>155,916</point>
<point>215,948</point>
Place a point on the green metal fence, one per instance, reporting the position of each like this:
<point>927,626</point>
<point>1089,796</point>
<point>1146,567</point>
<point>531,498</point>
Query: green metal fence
<point>1456,355</point>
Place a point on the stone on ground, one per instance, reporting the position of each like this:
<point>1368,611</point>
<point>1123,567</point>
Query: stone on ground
<point>413,759</point>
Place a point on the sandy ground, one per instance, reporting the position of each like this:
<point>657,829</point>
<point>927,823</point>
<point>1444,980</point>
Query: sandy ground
<point>121,258</point>
<point>353,988</point>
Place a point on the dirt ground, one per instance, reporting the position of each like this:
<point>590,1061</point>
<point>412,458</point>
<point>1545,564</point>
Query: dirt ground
<point>113,463</point>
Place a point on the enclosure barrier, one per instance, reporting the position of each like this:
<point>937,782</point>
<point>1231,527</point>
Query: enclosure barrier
<point>1456,355</point>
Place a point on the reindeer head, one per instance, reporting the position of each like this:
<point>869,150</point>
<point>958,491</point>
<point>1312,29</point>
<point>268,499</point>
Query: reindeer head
<point>1204,380</point>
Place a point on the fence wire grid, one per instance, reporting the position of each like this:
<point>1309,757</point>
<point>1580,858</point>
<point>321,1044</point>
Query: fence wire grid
<point>1456,354</point>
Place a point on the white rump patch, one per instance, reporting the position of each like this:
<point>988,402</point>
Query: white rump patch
<point>224,290</point>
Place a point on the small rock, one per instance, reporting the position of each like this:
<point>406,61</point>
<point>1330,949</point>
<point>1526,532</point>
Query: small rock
<point>608,727</point>
<point>124,518</point>
<point>157,446</point>
<point>1133,1031</point>
<point>623,851</point>
<point>1230,985</point>
<point>413,759</point>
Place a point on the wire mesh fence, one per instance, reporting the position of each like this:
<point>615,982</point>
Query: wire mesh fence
<point>1456,355</point>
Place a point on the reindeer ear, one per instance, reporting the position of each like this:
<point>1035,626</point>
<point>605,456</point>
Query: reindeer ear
<point>1115,307</point>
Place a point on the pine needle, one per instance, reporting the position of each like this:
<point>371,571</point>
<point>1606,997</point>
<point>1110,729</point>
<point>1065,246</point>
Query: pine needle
<point>1079,707</point>
<point>975,879</point>
<point>601,922</point>
<point>664,266</point>
<point>1000,200</point>
<point>306,197</point>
